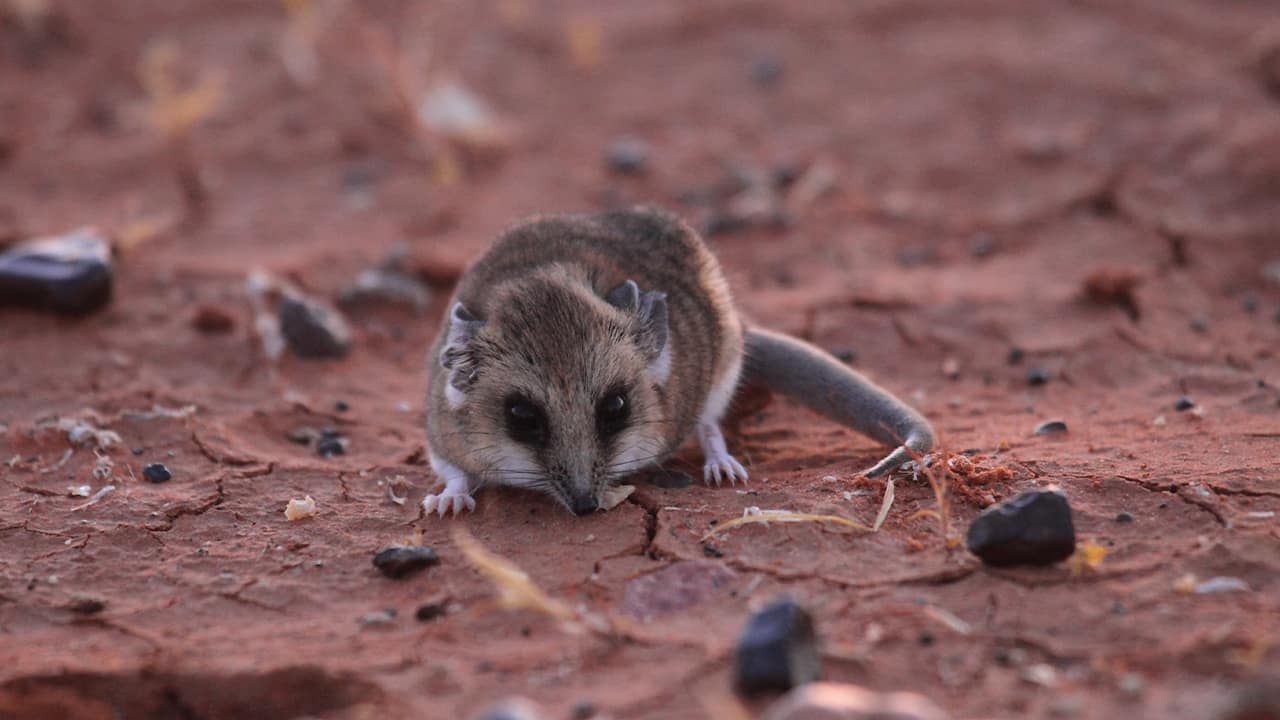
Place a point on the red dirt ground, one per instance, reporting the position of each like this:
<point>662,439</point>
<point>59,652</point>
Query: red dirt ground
<point>990,157</point>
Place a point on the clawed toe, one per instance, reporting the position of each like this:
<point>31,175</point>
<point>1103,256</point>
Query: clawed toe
<point>442,504</point>
<point>721,468</point>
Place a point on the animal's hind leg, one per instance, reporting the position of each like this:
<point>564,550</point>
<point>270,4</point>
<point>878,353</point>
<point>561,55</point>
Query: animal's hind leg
<point>720,465</point>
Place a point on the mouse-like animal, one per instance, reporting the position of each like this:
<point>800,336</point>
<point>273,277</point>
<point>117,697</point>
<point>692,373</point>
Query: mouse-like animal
<point>582,348</point>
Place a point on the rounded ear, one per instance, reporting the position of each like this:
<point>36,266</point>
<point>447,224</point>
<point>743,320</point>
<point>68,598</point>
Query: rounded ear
<point>649,310</point>
<point>456,356</point>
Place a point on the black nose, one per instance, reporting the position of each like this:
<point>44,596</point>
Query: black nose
<point>585,505</point>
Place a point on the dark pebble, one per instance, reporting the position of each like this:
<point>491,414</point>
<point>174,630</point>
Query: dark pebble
<point>982,245</point>
<point>139,451</point>
<point>86,606</point>
<point>584,710</point>
<point>313,330</point>
<point>766,71</point>
<point>1033,528</point>
<point>341,406</point>
<point>213,320</point>
<point>1249,303</point>
<point>1124,517</point>
<point>1037,376</point>
<point>1200,325</point>
<point>510,709</point>
<point>331,446</point>
<point>711,551</point>
<point>399,561</point>
<point>70,274</point>
<point>430,611</point>
<point>627,156</point>
<point>1051,427</point>
<point>777,650</point>
<point>1016,354</point>
<point>846,356</point>
<point>926,639</point>
<point>157,473</point>
<point>1184,403</point>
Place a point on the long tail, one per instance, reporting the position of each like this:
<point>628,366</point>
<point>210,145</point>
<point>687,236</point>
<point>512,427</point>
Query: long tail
<point>813,378</point>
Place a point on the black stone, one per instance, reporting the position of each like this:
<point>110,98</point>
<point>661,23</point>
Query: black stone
<point>429,611</point>
<point>767,70</point>
<point>399,561</point>
<point>157,473</point>
<point>982,245</point>
<point>1051,427</point>
<point>312,330</point>
<point>331,446</point>
<point>1033,528</point>
<point>1249,303</point>
<point>1124,517</point>
<point>86,606</point>
<point>341,406</point>
<point>711,551</point>
<point>70,275</point>
<point>1015,355</point>
<point>1037,375</point>
<point>1184,403</point>
<point>1200,325</point>
<point>926,638</point>
<point>627,156</point>
<point>138,451</point>
<point>777,650</point>
<point>584,710</point>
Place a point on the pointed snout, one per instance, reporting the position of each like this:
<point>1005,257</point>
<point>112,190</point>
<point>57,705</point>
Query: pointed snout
<point>584,503</point>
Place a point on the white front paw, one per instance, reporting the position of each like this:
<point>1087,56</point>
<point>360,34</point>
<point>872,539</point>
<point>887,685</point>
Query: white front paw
<point>722,466</point>
<point>440,504</point>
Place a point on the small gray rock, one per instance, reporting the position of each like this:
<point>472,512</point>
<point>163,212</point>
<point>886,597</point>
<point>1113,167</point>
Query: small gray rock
<point>312,329</point>
<point>1051,427</point>
<point>778,650</point>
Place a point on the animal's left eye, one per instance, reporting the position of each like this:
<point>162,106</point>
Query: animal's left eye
<point>611,413</point>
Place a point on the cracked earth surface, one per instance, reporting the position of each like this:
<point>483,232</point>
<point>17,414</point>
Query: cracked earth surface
<point>990,156</point>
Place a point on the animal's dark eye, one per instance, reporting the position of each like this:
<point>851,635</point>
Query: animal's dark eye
<point>525,421</point>
<point>612,413</point>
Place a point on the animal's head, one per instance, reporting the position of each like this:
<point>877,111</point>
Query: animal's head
<point>556,388</point>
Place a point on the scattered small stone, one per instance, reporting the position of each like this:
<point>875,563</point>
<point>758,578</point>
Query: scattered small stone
<point>81,605</point>
<point>1051,427</point>
<point>312,329</point>
<point>835,701</point>
<point>213,320</point>
<point>331,445</point>
<point>157,473</point>
<point>766,70</point>
<point>430,611</point>
<point>1016,354</point>
<point>1033,528</point>
<point>846,356</point>
<point>627,156</point>
<point>951,368</point>
<point>1041,674</point>
<point>303,435</point>
<point>511,709</point>
<point>982,246</point>
<point>1132,684</point>
<point>452,111</point>
<point>583,710</point>
<point>1114,287</point>
<point>300,509</point>
<point>391,282</point>
<point>711,551</point>
<point>1037,376</point>
<point>1160,421</point>
<point>341,406</point>
<point>925,639</point>
<point>138,451</point>
<point>1249,303</point>
<point>1124,517</point>
<point>382,617</point>
<point>777,650</point>
<point>1200,325</point>
<point>1216,585</point>
<point>68,274</point>
<point>401,560</point>
<point>1184,403</point>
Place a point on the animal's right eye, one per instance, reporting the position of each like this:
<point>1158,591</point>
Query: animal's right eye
<point>525,421</point>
